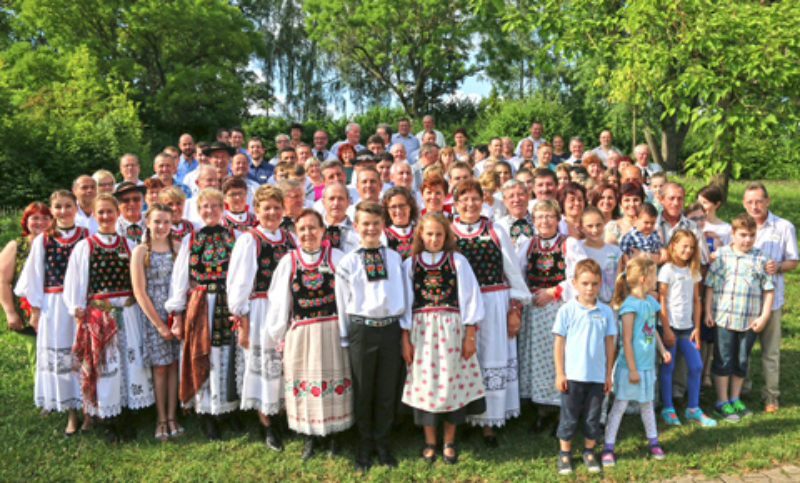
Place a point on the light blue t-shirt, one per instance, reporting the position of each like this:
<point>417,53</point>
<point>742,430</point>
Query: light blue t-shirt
<point>644,332</point>
<point>585,330</point>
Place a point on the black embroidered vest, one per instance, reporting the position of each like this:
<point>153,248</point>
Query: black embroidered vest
<point>250,221</point>
<point>546,268</point>
<point>269,254</point>
<point>56,255</point>
<point>209,254</point>
<point>435,285</point>
<point>482,250</point>
<point>399,243</point>
<point>109,269</point>
<point>313,288</point>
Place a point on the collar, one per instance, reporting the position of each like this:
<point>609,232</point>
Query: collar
<point>342,224</point>
<point>379,247</point>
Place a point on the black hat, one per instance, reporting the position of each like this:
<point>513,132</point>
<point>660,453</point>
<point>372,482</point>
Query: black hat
<point>219,146</point>
<point>128,187</point>
<point>364,155</point>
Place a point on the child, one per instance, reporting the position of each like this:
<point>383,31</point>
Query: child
<point>643,237</point>
<point>710,198</point>
<point>175,198</point>
<point>738,301</point>
<point>371,300</point>
<point>584,358</point>
<point>237,214</point>
<point>41,282</point>
<point>443,299</point>
<point>151,270</point>
<point>635,373</point>
<point>253,261</point>
<point>594,247</point>
<point>679,296</point>
<point>657,181</point>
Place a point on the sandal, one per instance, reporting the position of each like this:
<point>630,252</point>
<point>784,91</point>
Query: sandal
<point>450,460</point>
<point>176,430</point>
<point>163,434</point>
<point>428,459</point>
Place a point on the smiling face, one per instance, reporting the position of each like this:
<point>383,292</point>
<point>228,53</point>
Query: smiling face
<point>85,190</point>
<point>269,213</point>
<point>309,232</point>
<point>210,210</point>
<point>433,197</point>
<point>544,187</point>
<point>402,175</point>
<point>369,185</point>
<point>756,203</point>
<point>469,206</point>
<point>607,202</point>
<point>433,235</point>
<point>130,205</point>
<point>516,200</point>
<point>546,223</point>
<point>160,223</point>
<point>240,165</point>
<point>630,205</point>
<point>176,207</point>
<point>106,215</point>
<point>574,205</point>
<point>592,226</point>
<point>672,200</point>
<point>335,201</point>
<point>369,227</point>
<point>129,167</point>
<point>399,210</point>
<point>503,173</point>
<point>64,210</point>
<point>645,223</point>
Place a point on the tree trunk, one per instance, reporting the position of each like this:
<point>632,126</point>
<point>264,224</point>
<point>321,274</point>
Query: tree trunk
<point>672,137</point>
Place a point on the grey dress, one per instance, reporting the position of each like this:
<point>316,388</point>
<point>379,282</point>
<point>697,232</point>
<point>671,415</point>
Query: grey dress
<point>156,350</point>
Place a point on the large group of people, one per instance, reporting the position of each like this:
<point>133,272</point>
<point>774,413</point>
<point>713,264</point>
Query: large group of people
<point>343,286</point>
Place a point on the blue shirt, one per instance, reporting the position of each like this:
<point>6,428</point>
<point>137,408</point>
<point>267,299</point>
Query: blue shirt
<point>410,142</point>
<point>261,173</point>
<point>643,338</point>
<point>585,330</point>
<point>185,167</point>
<point>335,148</point>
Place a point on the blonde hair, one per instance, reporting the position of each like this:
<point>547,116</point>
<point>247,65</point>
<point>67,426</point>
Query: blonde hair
<point>210,193</point>
<point>489,180</point>
<point>694,262</point>
<point>550,205</point>
<point>105,197</point>
<point>635,269</point>
<point>449,245</point>
<point>267,192</point>
<point>171,193</point>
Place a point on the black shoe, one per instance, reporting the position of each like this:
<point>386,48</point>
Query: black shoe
<point>272,439</point>
<point>364,458</point>
<point>450,460</point>
<point>428,459</point>
<point>210,428</point>
<point>234,422</point>
<point>490,441</point>
<point>385,457</point>
<point>333,446</point>
<point>308,448</point>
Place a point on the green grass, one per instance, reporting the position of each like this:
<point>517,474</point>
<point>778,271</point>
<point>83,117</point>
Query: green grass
<point>32,447</point>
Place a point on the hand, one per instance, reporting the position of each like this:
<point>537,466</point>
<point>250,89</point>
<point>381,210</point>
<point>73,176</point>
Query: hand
<point>666,356</point>
<point>279,346</point>
<point>177,326</point>
<point>633,376</point>
<point>561,383</point>
<point>542,297</point>
<point>407,351</point>
<point>607,385</point>
<point>771,267</point>
<point>758,324</point>
<point>513,324</point>
<point>164,332</point>
<point>709,321</point>
<point>80,313</point>
<point>244,339</point>
<point>668,337</point>
<point>695,337</point>
<point>15,322</point>
<point>468,348</point>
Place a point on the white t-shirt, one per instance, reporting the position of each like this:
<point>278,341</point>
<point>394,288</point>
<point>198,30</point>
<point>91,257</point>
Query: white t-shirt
<point>608,258</point>
<point>722,230</point>
<point>680,294</point>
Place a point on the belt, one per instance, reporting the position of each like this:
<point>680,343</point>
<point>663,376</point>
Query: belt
<point>370,322</point>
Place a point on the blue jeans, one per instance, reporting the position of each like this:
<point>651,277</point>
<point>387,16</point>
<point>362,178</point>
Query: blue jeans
<point>732,352</point>
<point>695,369</point>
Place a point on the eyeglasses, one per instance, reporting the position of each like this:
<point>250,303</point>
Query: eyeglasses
<point>698,218</point>
<point>397,207</point>
<point>131,199</point>
<point>111,183</point>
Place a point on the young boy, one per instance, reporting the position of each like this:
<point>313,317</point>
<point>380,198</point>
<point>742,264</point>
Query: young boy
<point>643,237</point>
<point>657,181</point>
<point>371,299</point>
<point>738,302</point>
<point>236,214</point>
<point>584,359</point>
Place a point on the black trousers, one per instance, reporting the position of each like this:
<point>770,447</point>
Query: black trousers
<point>375,361</point>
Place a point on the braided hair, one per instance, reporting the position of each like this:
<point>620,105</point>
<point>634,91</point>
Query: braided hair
<point>148,239</point>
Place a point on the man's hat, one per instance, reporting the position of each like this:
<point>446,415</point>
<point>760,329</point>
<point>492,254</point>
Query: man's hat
<point>128,187</point>
<point>219,146</point>
<point>365,155</point>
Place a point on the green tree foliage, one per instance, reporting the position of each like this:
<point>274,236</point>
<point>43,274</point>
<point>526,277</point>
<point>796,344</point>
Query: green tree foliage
<point>416,49</point>
<point>513,118</point>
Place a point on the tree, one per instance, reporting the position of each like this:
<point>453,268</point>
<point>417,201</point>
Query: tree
<point>416,49</point>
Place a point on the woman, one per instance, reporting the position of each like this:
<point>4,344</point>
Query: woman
<point>175,198</point>
<point>346,154</point>
<point>491,256</point>
<point>544,156</point>
<point>35,219</point>
<point>631,197</point>
<point>594,166</point>
<point>210,359</point>
<point>98,294</point>
<point>315,175</point>
<point>153,187</point>
<point>559,155</point>
<point>105,181</point>
<point>571,200</point>
<point>434,190</point>
<point>461,150</point>
<point>604,198</point>
<point>400,215</point>
<point>42,284</point>
<point>303,315</point>
<point>446,157</point>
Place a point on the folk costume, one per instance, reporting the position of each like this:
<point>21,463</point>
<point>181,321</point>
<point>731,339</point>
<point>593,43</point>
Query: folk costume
<point>239,221</point>
<point>399,239</point>
<point>21,305</point>
<point>133,231</point>
<point>491,256</point>
<point>341,236</point>
<point>181,229</point>
<point>318,386</point>
<point>41,282</point>
<point>253,262</point>
<point>108,340</point>
<point>517,229</point>
<point>443,297</point>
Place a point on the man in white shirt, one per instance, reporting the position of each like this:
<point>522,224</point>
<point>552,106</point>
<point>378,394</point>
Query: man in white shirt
<point>428,125</point>
<point>85,190</point>
<point>129,168</point>
<point>339,231</point>
<point>642,155</point>
<point>320,142</point>
<point>576,148</point>
<point>535,137</point>
<point>281,142</point>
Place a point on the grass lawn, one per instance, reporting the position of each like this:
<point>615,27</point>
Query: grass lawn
<point>33,447</point>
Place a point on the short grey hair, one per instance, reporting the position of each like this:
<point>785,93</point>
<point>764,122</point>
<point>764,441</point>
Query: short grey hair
<point>351,126</point>
<point>332,185</point>
<point>284,137</point>
<point>331,163</point>
<point>513,183</point>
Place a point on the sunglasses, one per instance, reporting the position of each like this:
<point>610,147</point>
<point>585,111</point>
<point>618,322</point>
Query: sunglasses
<point>131,199</point>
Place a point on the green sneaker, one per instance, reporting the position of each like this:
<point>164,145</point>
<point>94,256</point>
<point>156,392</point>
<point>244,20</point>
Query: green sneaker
<point>727,413</point>
<point>741,409</point>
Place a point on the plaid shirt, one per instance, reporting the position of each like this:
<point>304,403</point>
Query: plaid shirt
<point>635,239</point>
<point>739,282</point>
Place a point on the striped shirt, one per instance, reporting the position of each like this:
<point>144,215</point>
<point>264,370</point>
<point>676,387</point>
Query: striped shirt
<point>739,282</point>
<point>778,240</point>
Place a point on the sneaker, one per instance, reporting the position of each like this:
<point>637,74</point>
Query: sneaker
<point>669,416</point>
<point>741,409</point>
<point>727,413</point>
<point>590,461</point>
<point>608,458</point>
<point>698,416</point>
<point>564,464</point>
<point>656,452</point>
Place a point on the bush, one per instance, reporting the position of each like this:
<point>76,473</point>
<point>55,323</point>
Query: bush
<point>513,118</point>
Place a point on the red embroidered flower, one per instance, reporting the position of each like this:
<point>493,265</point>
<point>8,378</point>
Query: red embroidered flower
<point>339,389</point>
<point>303,386</point>
<point>346,383</point>
<point>324,385</point>
<point>294,391</point>
<point>315,391</point>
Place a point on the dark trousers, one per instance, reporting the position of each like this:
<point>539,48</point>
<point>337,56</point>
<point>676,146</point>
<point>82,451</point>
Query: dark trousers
<point>375,360</point>
<point>581,399</point>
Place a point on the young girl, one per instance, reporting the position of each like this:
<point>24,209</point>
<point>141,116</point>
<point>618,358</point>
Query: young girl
<point>151,269</point>
<point>444,307</point>
<point>255,258</point>
<point>635,374</point>
<point>42,283</point>
<point>643,237</point>
<point>679,296</point>
<point>596,248</point>
<point>711,199</point>
<point>175,198</point>
<point>237,214</point>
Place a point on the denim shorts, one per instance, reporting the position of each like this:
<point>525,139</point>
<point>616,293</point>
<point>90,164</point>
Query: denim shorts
<point>732,352</point>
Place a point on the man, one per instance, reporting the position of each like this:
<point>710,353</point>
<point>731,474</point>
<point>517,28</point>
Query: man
<point>427,125</point>
<point>544,184</point>
<point>363,159</point>
<point>777,238</point>
<point>642,155</point>
<point>495,149</point>
<point>401,174</point>
<point>85,189</point>
<point>352,135</point>
<point>130,223</point>
<point>404,136</point>
<point>339,231</point>
<point>605,147</point>
<point>303,152</point>
<point>507,150</point>
<point>129,168</point>
<point>295,133</point>
<point>259,170</point>
<point>163,168</point>
<point>385,132</point>
<point>428,156</point>
<point>240,166</point>
<point>223,135</point>
<point>612,160</point>
<point>535,137</point>
<point>632,174</point>
<point>237,139</point>
<point>398,152</point>
<point>281,142</point>
<point>220,156</point>
<point>525,154</point>
<point>332,171</point>
<point>186,161</point>
<point>320,142</point>
<point>671,218</point>
<point>428,137</point>
<point>517,223</point>
<point>368,185</point>
<point>375,144</point>
<point>576,148</point>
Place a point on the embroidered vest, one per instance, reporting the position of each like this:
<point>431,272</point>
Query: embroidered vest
<point>435,285</point>
<point>399,243</point>
<point>269,254</point>
<point>56,255</point>
<point>313,288</point>
<point>485,257</point>
<point>23,249</point>
<point>546,268</point>
<point>209,254</point>
<point>287,223</point>
<point>109,269</point>
<point>250,221</point>
<point>184,227</point>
